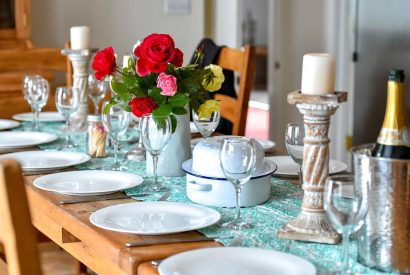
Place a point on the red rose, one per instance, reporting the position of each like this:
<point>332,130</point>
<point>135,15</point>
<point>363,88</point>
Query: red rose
<point>142,105</point>
<point>155,52</point>
<point>104,63</point>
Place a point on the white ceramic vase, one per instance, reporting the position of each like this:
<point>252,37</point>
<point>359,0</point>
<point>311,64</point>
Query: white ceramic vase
<point>177,151</point>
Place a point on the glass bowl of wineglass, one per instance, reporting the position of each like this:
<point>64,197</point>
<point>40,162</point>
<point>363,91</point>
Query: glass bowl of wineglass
<point>206,125</point>
<point>116,121</point>
<point>295,133</point>
<point>67,103</point>
<point>155,134</point>
<point>237,159</point>
<point>36,91</point>
<point>345,201</point>
<point>96,91</point>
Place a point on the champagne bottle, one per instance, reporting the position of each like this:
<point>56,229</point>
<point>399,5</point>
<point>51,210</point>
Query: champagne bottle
<point>394,137</point>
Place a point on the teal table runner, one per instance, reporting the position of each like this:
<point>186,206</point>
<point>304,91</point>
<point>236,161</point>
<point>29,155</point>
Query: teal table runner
<point>267,218</point>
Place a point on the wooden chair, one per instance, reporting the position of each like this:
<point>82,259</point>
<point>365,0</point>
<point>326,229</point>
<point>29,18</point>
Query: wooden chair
<point>243,62</point>
<point>17,233</point>
<point>15,64</point>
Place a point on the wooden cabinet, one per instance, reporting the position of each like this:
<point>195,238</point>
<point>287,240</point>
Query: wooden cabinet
<point>15,26</point>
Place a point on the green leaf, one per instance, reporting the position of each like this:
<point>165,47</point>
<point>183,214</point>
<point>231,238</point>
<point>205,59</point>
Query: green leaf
<point>179,111</point>
<point>107,108</point>
<point>173,122</point>
<point>162,110</point>
<point>138,92</point>
<point>119,87</point>
<point>155,94</point>
<point>129,80</point>
<point>178,100</point>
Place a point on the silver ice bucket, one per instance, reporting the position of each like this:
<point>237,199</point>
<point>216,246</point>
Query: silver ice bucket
<point>384,239</point>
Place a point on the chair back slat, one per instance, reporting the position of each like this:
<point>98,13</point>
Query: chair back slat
<point>242,62</point>
<point>17,233</point>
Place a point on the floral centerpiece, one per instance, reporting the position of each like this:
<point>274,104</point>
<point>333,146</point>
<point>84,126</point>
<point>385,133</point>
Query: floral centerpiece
<point>154,80</point>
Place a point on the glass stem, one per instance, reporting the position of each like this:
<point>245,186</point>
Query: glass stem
<point>345,263</point>
<point>140,141</point>
<point>116,141</point>
<point>35,118</point>
<point>67,134</point>
<point>155,163</point>
<point>96,107</point>
<point>238,201</point>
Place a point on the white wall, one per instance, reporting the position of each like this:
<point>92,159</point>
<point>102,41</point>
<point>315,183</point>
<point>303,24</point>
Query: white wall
<point>117,23</point>
<point>226,26</point>
<point>300,29</point>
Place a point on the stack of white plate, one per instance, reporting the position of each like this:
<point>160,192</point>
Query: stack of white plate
<point>46,161</point>
<point>288,168</point>
<point>14,141</point>
<point>43,117</point>
<point>87,182</point>
<point>235,260</point>
<point>6,124</point>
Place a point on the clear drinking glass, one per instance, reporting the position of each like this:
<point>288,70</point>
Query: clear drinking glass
<point>116,122</point>
<point>206,125</point>
<point>295,133</point>
<point>137,151</point>
<point>345,203</point>
<point>237,157</point>
<point>155,133</point>
<point>96,91</point>
<point>35,91</point>
<point>67,103</point>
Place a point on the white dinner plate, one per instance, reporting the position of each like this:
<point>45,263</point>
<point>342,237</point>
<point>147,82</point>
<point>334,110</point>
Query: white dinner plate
<point>47,160</point>
<point>266,144</point>
<point>24,139</point>
<point>6,124</point>
<point>88,182</point>
<point>43,117</point>
<point>193,128</point>
<point>154,218</point>
<point>235,260</point>
<point>287,167</point>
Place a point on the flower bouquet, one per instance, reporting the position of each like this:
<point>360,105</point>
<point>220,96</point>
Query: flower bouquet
<point>154,80</point>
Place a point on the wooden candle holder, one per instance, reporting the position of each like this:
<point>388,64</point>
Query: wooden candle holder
<point>312,224</point>
<point>80,60</point>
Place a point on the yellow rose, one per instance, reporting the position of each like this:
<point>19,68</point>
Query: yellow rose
<point>207,108</point>
<point>216,82</point>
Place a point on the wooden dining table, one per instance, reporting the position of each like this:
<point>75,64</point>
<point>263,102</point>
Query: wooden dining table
<point>101,250</point>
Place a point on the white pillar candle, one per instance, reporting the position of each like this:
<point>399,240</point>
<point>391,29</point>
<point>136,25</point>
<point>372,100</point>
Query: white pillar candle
<point>125,61</point>
<point>318,74</point>
<point>80,37</point>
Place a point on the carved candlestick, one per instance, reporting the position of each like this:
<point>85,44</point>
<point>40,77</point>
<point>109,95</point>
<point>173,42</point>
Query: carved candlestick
<point>312,224</point>
<point>80,60</point>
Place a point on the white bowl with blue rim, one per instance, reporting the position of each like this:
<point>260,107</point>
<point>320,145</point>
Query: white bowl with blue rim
<point>207,185</point>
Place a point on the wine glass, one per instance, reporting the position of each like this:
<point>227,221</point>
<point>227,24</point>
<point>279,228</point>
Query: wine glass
<point>345,203</point>
<point>206,125</point>
<point>237,157</point>
<point>137,151</point>
<point>36,91</point>
<point>155,133</point>
<point>96,91</point>
<point>295,133</point>
<point>116,122</point>
<point>67,103</point>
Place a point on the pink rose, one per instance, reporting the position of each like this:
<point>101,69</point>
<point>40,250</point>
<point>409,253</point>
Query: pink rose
<point>167,83</point>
